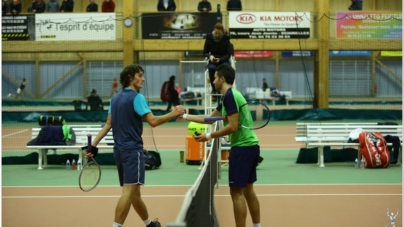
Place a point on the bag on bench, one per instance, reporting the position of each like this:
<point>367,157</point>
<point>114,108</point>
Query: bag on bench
<point>373,147</point>
<point>54,135</point>
<point>51,121</point>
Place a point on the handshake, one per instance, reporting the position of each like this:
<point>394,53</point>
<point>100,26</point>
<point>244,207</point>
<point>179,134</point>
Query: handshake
<point>178,111</point>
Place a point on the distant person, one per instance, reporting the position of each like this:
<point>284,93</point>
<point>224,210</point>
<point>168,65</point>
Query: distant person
<point>174,95</point>
<point>108,6</point>
<point>92,7</point>
<point>20,90</point>
<point>94,101</point>
<point>234,5</point>
<point>166,5</point>
<point>356,5</point>
<point>38,6</point>
<point>204,6</point>
<point>5,8</point>
<point>264,85</point>
<point>15,7</point>
<point>53,6</point>
<point>67,6</point>
<point>114,87</point>
<point>218,50</point>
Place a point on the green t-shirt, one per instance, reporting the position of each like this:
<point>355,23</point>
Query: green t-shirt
<point>232,101</point>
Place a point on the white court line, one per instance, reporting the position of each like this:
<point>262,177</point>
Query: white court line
<point>169,196</point>
<point>14,133</point>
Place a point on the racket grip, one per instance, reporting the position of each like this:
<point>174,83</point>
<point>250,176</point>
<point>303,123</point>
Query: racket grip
<point>207,119</point>
<point>89,142</point>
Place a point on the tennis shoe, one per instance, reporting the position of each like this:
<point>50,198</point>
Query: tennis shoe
<point>154,223</point>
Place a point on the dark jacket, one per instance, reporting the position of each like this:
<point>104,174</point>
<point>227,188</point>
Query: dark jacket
<point>52,6</point>
<point>67,6</point>
<point>234,5</point>
<point>222,49</point>
<point>39,7</point>
<point>54,135</point>
<point>92,8</point>
<point>206,5</point>
<point>356,5</point>
<point>95,102</point>
<point>5,8</point>
<point>264,86</point>
<point>171,6</point>
<point>17,8</point>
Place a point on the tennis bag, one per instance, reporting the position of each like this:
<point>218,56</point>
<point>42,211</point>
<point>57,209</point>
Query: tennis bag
<point>374,149</point>
<point>51,121</point>
<point>165,92</point>
<point>152,160</point>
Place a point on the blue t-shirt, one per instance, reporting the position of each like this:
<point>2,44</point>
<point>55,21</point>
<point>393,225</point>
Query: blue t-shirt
<point>127,109</point>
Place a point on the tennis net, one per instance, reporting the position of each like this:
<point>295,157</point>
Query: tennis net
<point>198,209</point>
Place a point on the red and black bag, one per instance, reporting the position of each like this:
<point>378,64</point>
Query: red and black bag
<point>373,147</point>
<point>165,92</point>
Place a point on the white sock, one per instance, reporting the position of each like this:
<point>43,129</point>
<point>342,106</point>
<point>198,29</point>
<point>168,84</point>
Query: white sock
<point>257,225</point>
<point>116,225</point>
<point>147,221</point>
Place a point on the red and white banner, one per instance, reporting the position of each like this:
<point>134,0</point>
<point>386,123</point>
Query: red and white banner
<point>253,54</point>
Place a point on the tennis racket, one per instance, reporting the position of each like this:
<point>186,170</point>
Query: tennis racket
<point>90,175</point>
<point>245,115</point>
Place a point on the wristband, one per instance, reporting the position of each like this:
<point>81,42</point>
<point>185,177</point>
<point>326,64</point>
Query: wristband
<point>208,136</point>
<point>184,116</point>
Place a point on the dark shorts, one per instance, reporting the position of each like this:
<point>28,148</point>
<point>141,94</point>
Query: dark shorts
<point>130,164</point>
<point>242,165</point>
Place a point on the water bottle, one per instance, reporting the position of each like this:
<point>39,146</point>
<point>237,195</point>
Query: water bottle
<point>68,164</point>
<point>362,163</point>
<point>74,167</point>
<point>79,165</point>
<point>356,163</point>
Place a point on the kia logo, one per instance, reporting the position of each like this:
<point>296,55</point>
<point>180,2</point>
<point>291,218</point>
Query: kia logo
<point>246,18</point>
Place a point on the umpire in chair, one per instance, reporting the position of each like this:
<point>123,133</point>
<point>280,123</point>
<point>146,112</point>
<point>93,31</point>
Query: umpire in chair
<point>94,101</point>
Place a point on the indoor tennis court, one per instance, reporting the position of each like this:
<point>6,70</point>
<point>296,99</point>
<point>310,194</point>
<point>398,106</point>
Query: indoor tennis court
<point>290,194</point>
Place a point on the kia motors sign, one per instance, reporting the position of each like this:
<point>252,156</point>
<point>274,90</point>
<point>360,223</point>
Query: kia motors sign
<point>269,25</point>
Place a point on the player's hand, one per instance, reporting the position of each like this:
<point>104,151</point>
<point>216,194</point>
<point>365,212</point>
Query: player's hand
<point>93,153</point>
<point>89,155</point>
<point>201,137</point>
<point>179,111</point>
<point>216,60</point>
<point>211,58</point>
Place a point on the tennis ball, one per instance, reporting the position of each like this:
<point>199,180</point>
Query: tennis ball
<point>195,127</point>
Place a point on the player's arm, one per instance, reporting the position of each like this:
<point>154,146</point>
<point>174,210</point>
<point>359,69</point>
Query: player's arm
<point>201,118</point>
<point>101,134</point>
<point>159,120</point>
<point>230,128</point>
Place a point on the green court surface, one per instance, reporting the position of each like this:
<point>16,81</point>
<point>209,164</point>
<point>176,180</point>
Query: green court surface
<point>278,167</point>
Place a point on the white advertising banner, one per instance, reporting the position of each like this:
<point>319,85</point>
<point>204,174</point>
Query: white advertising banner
<point>269,25</point>
<point>75,26</point>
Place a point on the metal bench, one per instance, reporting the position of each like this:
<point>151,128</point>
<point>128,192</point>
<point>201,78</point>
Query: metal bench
<point>81,140</point>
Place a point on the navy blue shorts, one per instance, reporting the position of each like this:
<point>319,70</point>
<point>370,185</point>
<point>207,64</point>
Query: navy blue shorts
<point>130,164</point>
<point>242,165</point>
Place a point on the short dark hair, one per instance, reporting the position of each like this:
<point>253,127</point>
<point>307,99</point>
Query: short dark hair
<point>227,72</point>
<point>130,70</point>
